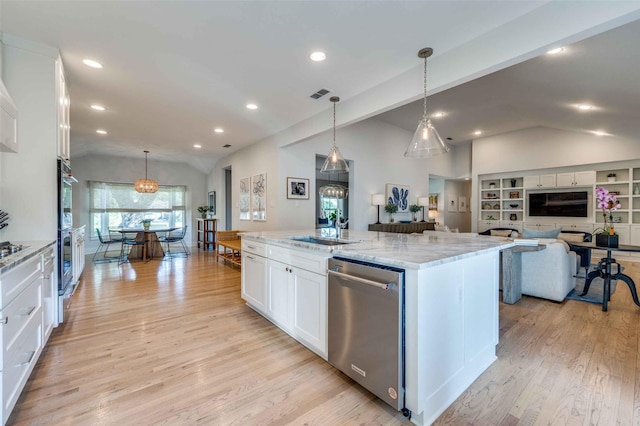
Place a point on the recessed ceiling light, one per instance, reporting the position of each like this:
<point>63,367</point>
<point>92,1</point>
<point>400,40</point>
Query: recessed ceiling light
<point>98,107</point>
<point>477,132</point>
<point>584,107</point>
<point>218,130</point>
<point>91,63</point>
<point>318,56</point>
<point>101,132</point>
<point>599,133</point>
<point>438,114</point>
<point>556,51</point>
<point>252,106</point>
<point>197,146</point>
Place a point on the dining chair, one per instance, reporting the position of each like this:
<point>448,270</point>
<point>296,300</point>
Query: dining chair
<point>175,237</point>
<point>105,242</point>
<point>129,244</point>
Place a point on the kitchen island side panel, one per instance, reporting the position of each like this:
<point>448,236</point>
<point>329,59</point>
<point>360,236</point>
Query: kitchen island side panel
<point>451,331</point>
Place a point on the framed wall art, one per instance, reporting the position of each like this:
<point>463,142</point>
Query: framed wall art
<point>399,195</point>
<point>462,204</point>
<point>297,188</point>
<point>212,202</point>
<point>245,199</point>
<point>259,197</point>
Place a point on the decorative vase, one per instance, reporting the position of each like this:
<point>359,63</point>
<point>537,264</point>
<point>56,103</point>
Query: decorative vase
<point>636,189</point>
<point>513,216</point>
<point>415,216</point>
<point>146,226</point>
<point>611,178</point>
<point>513,183</point>
<point>204,215</point>
<point>391,218</point>
<point>606,240</point>
<point>492,185</point>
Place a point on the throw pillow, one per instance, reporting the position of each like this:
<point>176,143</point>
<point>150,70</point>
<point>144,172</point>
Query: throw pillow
<point>500,232</point>
<point>533,233</point>
<point>571,238</point>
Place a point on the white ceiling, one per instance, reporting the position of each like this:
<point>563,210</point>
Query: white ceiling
<point>603,71</point>
<point>174,70</point>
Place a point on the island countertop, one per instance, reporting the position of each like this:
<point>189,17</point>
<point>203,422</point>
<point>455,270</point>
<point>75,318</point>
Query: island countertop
<point>413,251</point>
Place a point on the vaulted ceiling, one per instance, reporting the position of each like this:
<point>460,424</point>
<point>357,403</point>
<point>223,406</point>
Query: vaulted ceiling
<point>175,70</point>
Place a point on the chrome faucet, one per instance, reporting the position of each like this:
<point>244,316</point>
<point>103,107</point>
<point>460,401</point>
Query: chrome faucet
<point>339,227</point>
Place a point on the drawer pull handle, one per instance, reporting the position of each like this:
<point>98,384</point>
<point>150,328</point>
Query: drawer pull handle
<point>250,257</point>
<point>27,362</point>
<point>5,320</point>
<point>33,308</point>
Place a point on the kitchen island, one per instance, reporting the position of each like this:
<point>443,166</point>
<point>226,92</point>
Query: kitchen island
<point>450,300</point>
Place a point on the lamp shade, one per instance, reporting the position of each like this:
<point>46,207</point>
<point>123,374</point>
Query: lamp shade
<point>433,214</point>
<point>423,201</point>
<point>146,186</point>
<point>335,162</point>
<point>377,199</point>
<point>426,142</point>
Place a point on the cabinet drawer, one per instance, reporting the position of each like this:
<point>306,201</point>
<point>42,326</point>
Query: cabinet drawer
<point>18,278</point>
<point>19,363</point>
<point>18,314</point>
<point>299,259</point>
<point>253,247</point>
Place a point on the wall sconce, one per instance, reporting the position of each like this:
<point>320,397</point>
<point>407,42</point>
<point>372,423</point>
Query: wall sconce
<point>377,200</point>
<point>423,202</point>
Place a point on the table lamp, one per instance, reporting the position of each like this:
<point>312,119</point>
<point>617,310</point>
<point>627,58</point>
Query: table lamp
<point>423,202</point>
<point>433,214</point>
<point>377,200</point>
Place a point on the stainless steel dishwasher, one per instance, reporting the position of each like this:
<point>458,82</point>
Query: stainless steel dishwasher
<point>366,326</point>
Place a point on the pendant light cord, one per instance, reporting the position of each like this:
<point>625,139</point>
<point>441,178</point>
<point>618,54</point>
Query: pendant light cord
<point>424,116</point>
<point>334,124</point>
<point>145,164</point>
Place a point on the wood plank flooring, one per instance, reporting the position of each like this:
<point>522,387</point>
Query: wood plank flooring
<point>172,343</point>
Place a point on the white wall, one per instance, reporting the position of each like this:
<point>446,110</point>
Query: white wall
<point>376,150</point>
<point>453,190</point>
<point>127,170</point>
<point>28,188</point>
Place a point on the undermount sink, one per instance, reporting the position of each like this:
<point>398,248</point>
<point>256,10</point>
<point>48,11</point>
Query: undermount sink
<point>323,241</point>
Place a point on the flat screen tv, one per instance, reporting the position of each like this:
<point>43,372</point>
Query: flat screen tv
<point>558,204</point>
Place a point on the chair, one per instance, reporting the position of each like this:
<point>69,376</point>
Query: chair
<point>583,253</point>
<point>549,273</point>
<point>175,237</point>
<point>124,254</point>
<point>105,243</point>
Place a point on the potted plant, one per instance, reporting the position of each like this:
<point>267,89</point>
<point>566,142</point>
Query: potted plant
<point>146,223</point>
<point>606,236</point>
<point>203,210</point>
<point>391,209</point>
<point>611,177</point>
<point>414,208</point>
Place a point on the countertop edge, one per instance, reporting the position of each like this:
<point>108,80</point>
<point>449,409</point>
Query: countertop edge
<point>36,247</point>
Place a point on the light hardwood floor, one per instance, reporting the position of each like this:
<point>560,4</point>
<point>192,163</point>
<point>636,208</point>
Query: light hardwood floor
<point>173,343</point>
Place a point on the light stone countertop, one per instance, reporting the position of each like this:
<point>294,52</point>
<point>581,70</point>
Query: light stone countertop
<point>409,251</point>
<point>34,249</point>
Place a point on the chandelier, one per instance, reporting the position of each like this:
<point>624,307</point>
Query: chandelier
<point>146,185</point>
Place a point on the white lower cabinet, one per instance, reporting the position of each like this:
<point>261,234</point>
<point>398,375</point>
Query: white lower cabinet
<point>289,287</point>
<point>21,330</point>
<point>254,275</point>
<point>49,293</point>
<point>582,227</point>
<point>280,294</point>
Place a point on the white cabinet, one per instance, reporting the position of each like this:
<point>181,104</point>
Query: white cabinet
<point>8,122</point>
<point>541,181</point>
<point>63,105</point>
<point>540,226</point>
<point>297,295</point>
<point>77,252</point>
<point>254,274</point>
<point>280,294</point>
<point>582,227</point>
<point>484,225</point>
<point>511,224</point>
<point>49,293</point>
<point>21,330</point>
<point>583,178</point>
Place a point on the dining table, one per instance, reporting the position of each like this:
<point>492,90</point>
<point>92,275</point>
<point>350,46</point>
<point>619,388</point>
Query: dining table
<point>608,269</point>
<point>150,238</point>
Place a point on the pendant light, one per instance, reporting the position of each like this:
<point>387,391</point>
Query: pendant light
<point>335,162</point>
<point>146,185</point>
<point>426,141</point>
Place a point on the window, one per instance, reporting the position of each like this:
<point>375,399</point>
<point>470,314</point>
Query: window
<point>118,205</point>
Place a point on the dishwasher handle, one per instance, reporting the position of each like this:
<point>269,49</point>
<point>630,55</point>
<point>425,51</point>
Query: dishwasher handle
<point>384,286</point>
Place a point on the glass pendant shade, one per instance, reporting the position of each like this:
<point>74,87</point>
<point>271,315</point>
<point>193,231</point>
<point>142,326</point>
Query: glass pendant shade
<point>146,186</point>
<point>426,142</point>
<point>335,162</point>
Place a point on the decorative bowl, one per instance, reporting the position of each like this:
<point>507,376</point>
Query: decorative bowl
<point>513,206</point>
